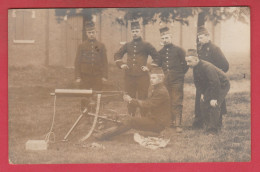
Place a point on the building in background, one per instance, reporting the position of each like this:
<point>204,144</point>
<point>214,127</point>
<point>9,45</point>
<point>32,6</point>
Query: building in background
<point>35,37</point>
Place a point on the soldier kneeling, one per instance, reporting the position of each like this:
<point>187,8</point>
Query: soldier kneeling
<point>158,111</point>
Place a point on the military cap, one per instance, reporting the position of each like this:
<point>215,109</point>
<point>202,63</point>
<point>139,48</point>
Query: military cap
<point>202,31</point>
<point>164,31</point>
<point>192,52</point>
<point>90,25</point>
<point>135,25</point>
<point>156,70</point>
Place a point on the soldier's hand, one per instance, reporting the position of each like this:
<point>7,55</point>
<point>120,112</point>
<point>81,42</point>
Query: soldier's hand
<point>78,80</point>
<point>124,66</point>
<point>127,98</point>
<point>144,68</point>
<point>154,64</point>
<point>202,98</point>
<point>104,80</point>
<point>213,103</point>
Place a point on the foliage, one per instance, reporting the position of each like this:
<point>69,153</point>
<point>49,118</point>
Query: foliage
<point>218,14</point>
<point>87,13</point>
<point>164,15</point>
<point>151,15</point>
<point>168,15</point>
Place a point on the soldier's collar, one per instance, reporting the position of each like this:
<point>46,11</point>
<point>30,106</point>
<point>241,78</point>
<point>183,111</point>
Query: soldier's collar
<point>199,64</point>
<point>158,85</point>
<point>169,45</point>
<point>137,40</point>
<point>92,40</point>
<point>208,43</point>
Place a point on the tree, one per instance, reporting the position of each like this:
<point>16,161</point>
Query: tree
<point>86,13</point>
<point>217,14</point>
<point>164,15</point>
<point>151,15</point>
<point>181,14</point>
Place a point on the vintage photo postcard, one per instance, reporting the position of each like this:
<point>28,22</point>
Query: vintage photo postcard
<point>129,85</point>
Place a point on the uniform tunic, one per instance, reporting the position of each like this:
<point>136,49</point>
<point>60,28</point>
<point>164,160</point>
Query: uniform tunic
<point>172,61</point>
<point>211,53</point>
<point>91,64</point>
<point>137,54</point>
<point>136,80</point>
<point>214,85</point>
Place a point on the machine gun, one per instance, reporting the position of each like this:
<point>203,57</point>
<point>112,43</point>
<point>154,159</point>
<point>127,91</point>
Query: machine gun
<point>100,97</point>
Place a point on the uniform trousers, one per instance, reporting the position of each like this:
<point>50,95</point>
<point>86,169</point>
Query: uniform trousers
<point>211,115</point>
<point>143,123</point>
<point>176,97</point>
<point>137,87</point>
<point>198,117</point>
<point>91,82</point>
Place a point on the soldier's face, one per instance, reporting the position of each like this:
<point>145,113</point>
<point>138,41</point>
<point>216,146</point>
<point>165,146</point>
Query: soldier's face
<point>136,33</point>
<point>91,34</point>
<point>166,39</point>
<point>192,61</point>
<point>154,79</point>
<point>203,39</point>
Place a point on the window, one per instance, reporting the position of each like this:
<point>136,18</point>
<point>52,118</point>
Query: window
<point>23,24</point>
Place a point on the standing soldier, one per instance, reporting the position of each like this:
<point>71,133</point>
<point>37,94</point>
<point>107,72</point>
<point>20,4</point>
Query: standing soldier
<point>91,61</point>
<point>172,61</point>
<point>211,53</point>
<point>136,72</point>
<point>213,85</point>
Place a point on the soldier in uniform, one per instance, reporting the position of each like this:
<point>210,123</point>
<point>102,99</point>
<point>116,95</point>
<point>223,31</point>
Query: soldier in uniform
<point>213,85</point>
<point>91,61</point>
<point>158,108</point>
<point>172,61</point>
<point>211,53</point>
<point>136,71</point>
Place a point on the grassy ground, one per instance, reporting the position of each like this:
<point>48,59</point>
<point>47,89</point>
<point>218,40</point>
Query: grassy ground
<point>31,110</point>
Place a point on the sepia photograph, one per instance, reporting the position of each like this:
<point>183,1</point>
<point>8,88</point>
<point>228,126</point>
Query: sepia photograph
<point>129,85</point>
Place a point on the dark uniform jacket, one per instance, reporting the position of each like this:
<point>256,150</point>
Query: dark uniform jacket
<point>137,54</point>
<point>91,59</point>
<point>172,61</point>
<point>211,53</point>
<point>158,105</point>
<point>209,79</point>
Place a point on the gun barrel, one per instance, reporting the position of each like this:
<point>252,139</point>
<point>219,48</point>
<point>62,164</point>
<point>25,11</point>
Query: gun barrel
<point>72,92</point>
<point>79,92</point>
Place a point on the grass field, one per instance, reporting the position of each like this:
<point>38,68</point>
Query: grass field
<point>31,110</point>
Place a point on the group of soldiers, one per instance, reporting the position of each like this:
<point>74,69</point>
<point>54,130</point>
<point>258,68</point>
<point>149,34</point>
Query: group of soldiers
<point>163,108</point>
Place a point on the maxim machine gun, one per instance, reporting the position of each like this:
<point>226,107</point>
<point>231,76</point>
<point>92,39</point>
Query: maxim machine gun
<point>91,104</point>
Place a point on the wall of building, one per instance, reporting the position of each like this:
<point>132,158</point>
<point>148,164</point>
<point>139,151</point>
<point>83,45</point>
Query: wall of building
<point>26,37</point>
<point>43,41</point>
<point>56,43</point>
<point>235,39</point>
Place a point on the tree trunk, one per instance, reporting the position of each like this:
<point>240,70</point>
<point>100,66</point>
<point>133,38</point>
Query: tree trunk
<point>201,22</point>
<point>47,39</point>
<point>84,36</point>
<point>201,19</point>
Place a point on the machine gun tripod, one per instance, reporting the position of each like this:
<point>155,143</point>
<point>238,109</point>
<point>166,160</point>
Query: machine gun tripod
<point>86,107</point>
